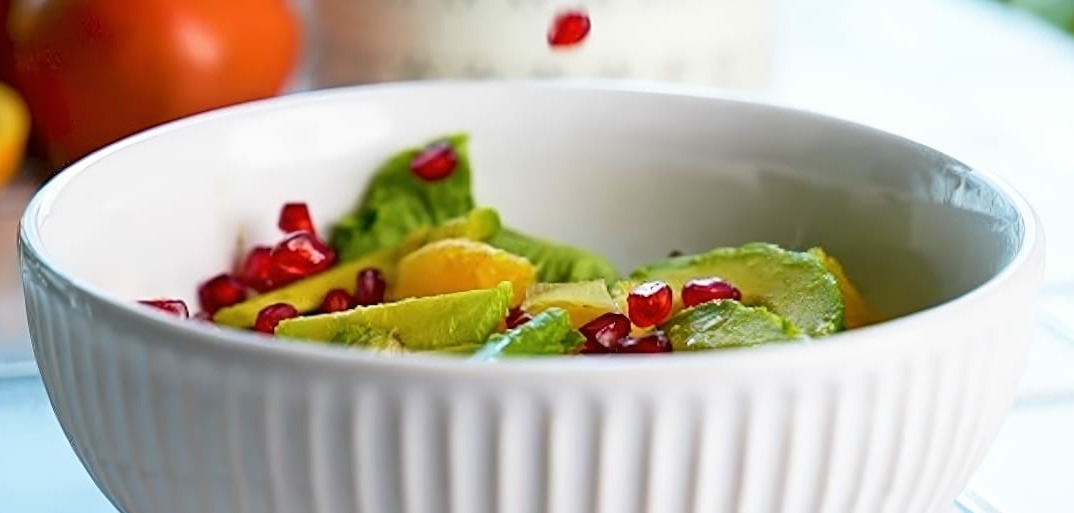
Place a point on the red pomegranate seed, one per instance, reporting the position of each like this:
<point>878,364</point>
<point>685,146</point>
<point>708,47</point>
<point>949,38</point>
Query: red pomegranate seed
<point>517,317</point>
<point>591,346</point>
<point>436,162</point>
<point>649,303</point>
<point>220,291</point>
<point>371,287</point>
<point>173,306</point>
<point>295,217</point>
<point>703,290</point>
<point>271,315</point>
<point>299,255</point>
<point>569,28</point>
<point>602,332</point>
<point>256,271</point>
<point>655,342</point>
<point>336,300</point>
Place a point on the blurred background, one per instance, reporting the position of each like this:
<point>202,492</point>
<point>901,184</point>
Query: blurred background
<point>989,81</point>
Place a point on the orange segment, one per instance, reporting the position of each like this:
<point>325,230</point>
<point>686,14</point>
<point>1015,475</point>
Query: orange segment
<point>456,265</point>
<point>14,130</point>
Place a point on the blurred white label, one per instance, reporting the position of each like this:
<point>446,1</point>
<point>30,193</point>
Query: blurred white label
<point>724,43</point>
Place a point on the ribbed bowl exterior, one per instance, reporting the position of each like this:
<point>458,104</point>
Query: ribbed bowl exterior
<point>167,424</point>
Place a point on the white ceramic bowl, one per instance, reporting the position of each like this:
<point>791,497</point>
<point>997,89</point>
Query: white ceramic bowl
<point>171,416</point>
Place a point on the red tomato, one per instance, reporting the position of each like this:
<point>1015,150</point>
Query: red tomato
<point>94,71</point>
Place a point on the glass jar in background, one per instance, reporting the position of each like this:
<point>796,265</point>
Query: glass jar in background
<point>723,43</point>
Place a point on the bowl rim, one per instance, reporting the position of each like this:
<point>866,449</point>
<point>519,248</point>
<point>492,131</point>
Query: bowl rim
<point>882,338</point>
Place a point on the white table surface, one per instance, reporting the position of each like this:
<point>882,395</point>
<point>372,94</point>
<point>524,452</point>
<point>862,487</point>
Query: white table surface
<point>990,86</point>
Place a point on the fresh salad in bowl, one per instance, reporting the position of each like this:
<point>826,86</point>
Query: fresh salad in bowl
<point>419,266</point>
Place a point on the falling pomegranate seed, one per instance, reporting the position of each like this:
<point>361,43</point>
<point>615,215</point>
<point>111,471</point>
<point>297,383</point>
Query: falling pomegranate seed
<point>601,333</point>
<point>371,287</point>
<point>655,342</point>
<point>299,255</point>
<point>517,317</point>
<point>703,290</point>
<point>271,315</point>
<point>295,217</point>
<point>336,300</point>
<point>220,291</point>
<point>175,307</point>
<point>436,162</point>
<point>569,28</point>
<point>256,271</point>
<point>649,303</point>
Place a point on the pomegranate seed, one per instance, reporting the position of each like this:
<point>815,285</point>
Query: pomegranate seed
<point>256,271</point>
<point>655,342</point>
<point>569,28</point>
<point>593,347</point>
<point>703,290</point>
<point>517,317</point>
<point>203,316</point>
<point>299,255</point>
<point>295,217</point>
<point>336,300</point>
<point>271,315</point>
<point>371,287</point>
<point>605,330</point>
<point>176,307</point>
<point>220,291</point>
<point>649,303</point>
<point>436,162</point>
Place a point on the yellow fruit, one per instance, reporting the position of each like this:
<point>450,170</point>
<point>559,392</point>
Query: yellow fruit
<point>14,129</point>
<point>858,313</point>
<point>456,265</point>
<point>583,301</point>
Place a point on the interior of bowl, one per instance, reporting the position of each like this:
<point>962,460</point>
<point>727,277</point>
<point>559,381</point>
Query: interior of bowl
<point>629,173</point>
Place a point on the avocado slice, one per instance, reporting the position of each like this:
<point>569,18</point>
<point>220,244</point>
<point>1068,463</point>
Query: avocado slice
<point>480,224</point>
<point>858,311</point>
<point>365,336</point>
<point>306,294</point>
<point>418,324</point>
<point>794,285</point>
<point>544,335</point>
<point>397,202</point>
<point>556,263</point>
<point>460,350</point>
<point>583,300</point>
<point>726,324</point>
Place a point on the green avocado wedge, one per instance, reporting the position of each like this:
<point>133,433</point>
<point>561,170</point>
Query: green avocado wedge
<point>416,324</point>
<point>555,262</point>
<point>306,294</point>
<point>793,285</point>
<point>727,324</point>
<point>547,334</point>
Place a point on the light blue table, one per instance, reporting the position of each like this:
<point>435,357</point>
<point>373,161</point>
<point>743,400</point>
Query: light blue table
<point>991,87</point>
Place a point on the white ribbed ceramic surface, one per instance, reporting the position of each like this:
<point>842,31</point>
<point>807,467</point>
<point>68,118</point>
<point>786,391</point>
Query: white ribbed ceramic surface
<point>176,417</point>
